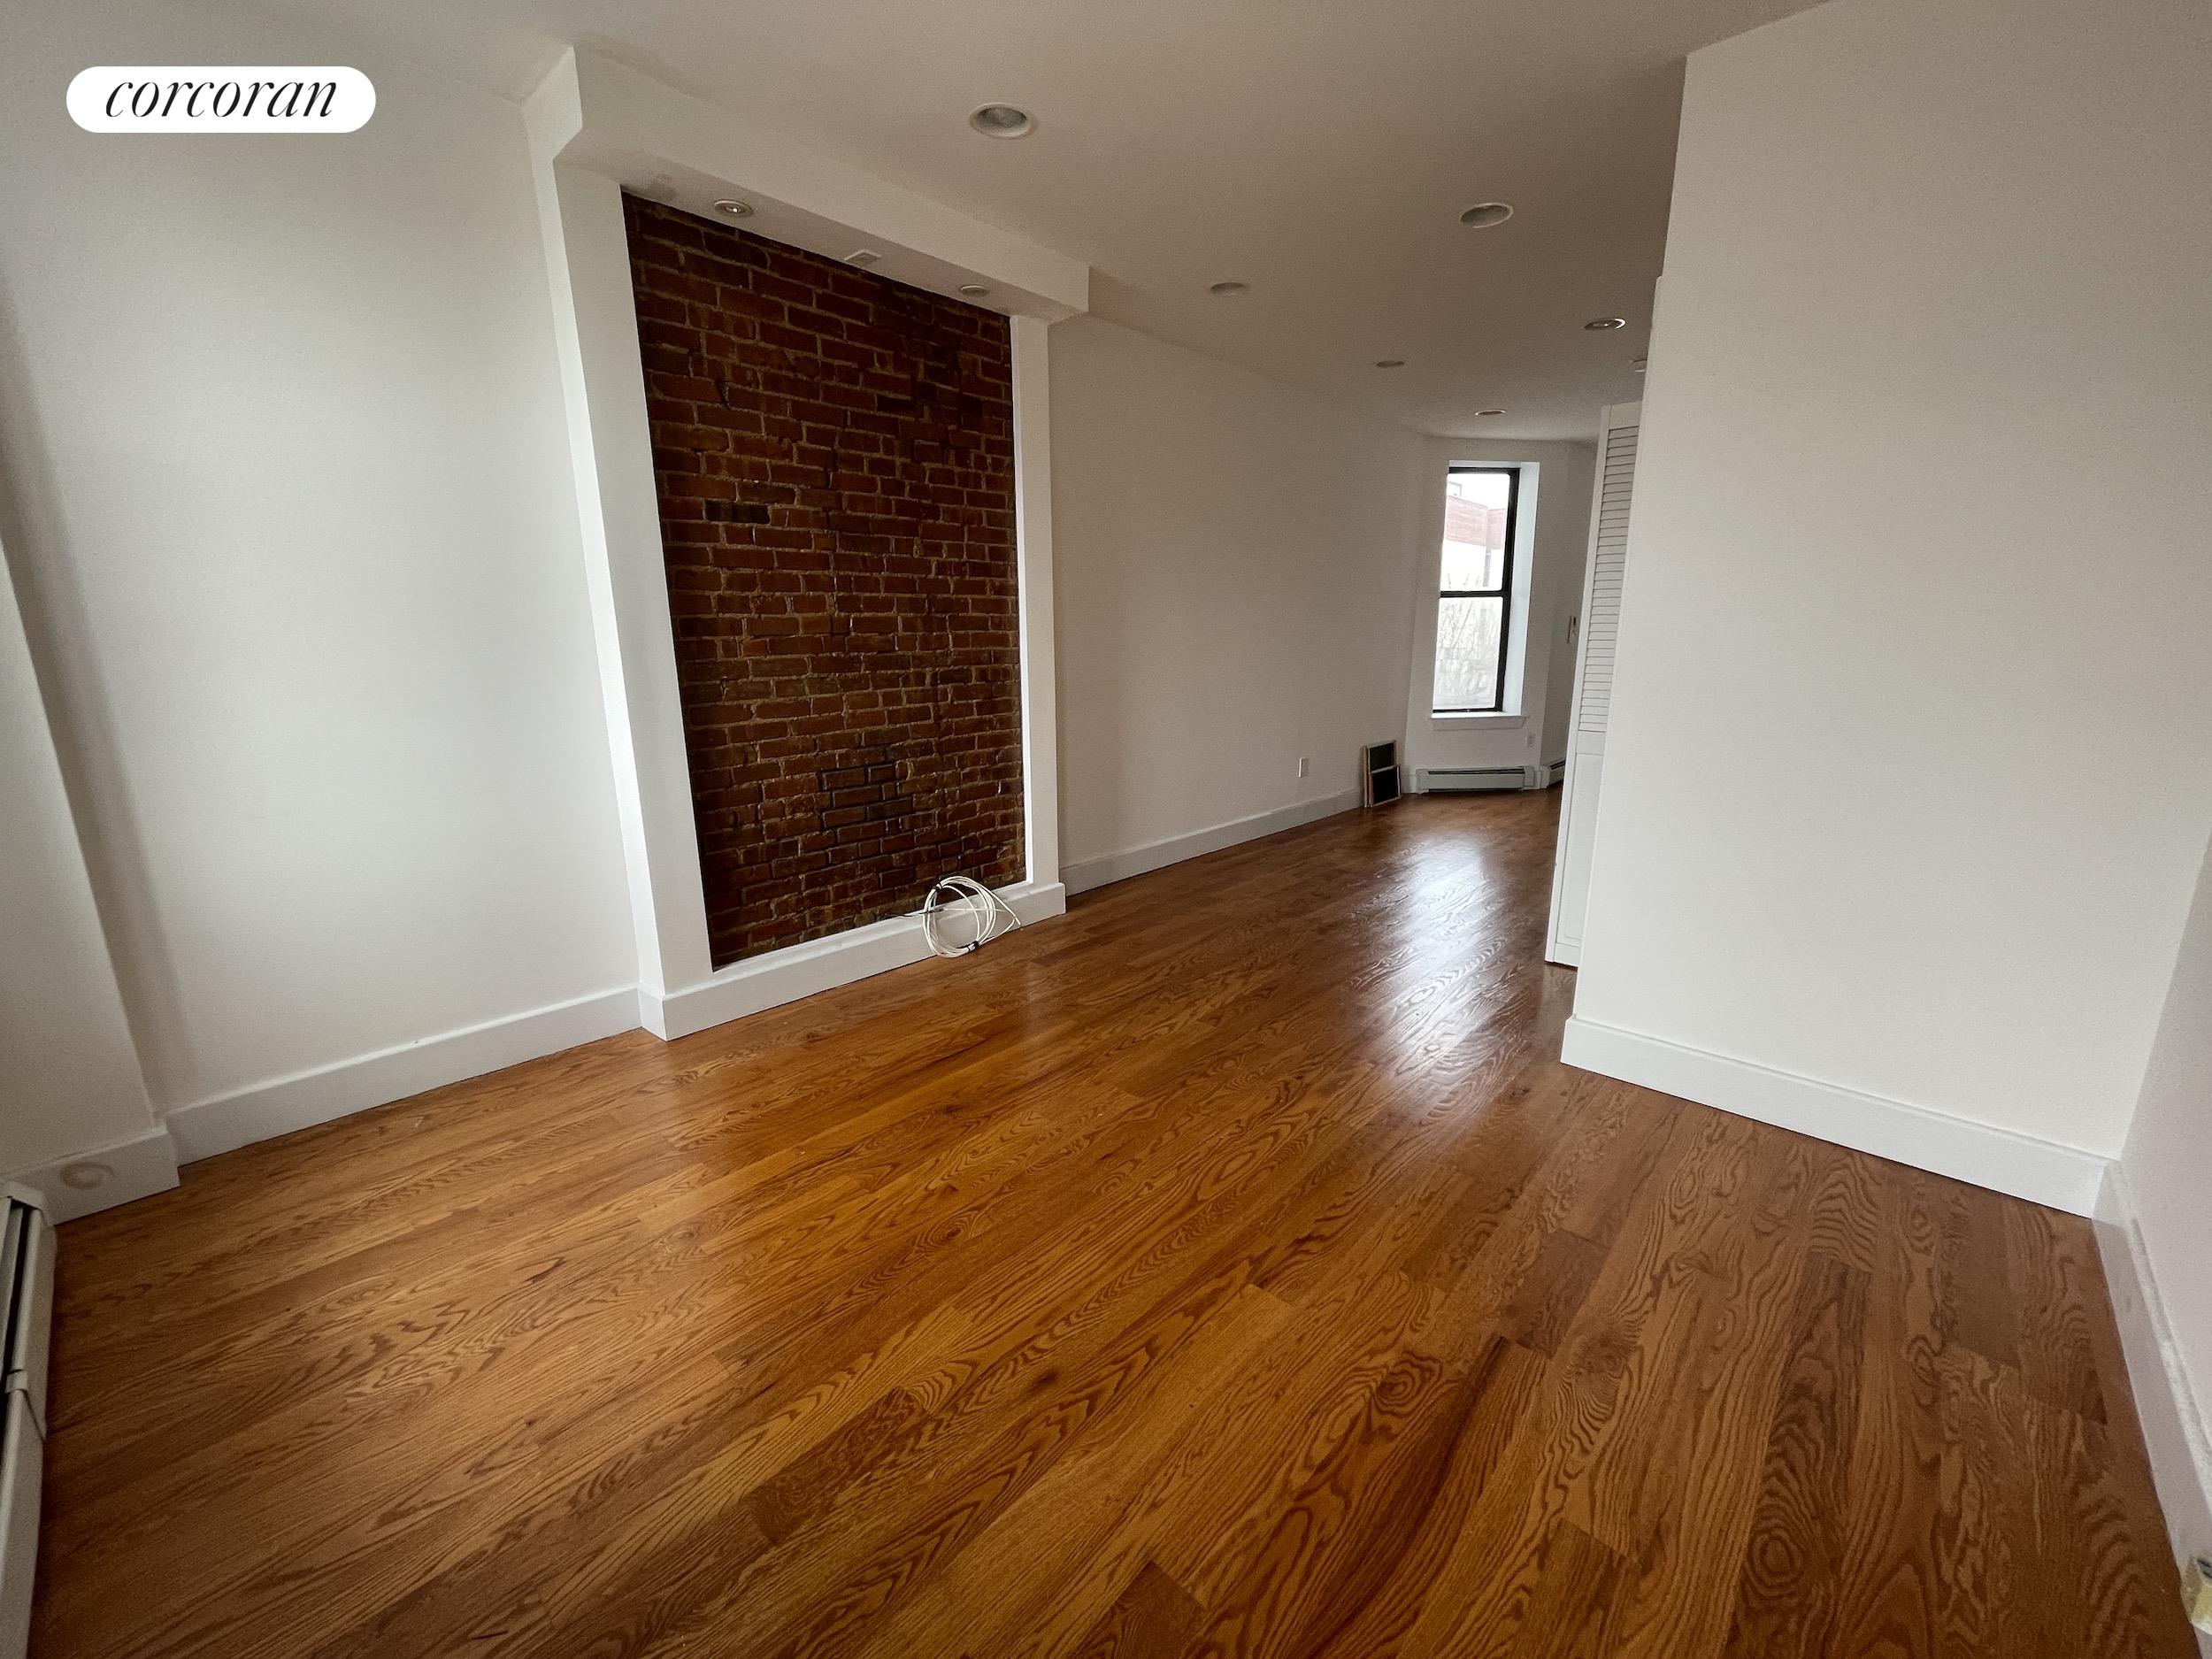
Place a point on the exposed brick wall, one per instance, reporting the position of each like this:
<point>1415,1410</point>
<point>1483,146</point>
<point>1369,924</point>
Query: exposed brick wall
<point>835,458</point>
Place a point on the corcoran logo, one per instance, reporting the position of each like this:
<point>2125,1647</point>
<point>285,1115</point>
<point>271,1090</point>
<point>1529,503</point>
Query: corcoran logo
<point>169,98</point>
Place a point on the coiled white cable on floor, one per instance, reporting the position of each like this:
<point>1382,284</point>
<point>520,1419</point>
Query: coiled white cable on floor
<point>990,916</point>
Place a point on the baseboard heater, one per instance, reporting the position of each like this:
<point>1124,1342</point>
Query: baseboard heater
<point>1447,779</point>
<point>27,1279</point>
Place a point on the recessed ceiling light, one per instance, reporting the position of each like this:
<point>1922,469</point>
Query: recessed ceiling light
<point>1489,411</point>
<point>1229,290</point>
<point>973,290</point>
<point>733,209</point>
<point>1637,363</point>
<point>1484,214</point>
<point>1602,323</point>
<point>1002,120</point>
<point>1390,363</point>
<point>863,256</point>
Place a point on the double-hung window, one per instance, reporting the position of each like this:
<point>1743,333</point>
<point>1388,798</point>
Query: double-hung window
<point>1474,603</point>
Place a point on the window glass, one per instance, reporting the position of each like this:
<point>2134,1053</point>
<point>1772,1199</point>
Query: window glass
<point>1467,652</point>
<point>1474,529</point>
<point>1474,604</point>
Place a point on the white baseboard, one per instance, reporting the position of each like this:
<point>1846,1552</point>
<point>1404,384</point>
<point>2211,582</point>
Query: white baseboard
<point>305,1098</point>
<point>2042,1171</point>
<point>138,1168</point>
<point>265,1110</point>
<point>1086,874</point>
<point>2173,1430</point>
<point>819,964</point>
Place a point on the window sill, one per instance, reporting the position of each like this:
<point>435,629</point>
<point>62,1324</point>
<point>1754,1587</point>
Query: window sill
<point>1477,722</point>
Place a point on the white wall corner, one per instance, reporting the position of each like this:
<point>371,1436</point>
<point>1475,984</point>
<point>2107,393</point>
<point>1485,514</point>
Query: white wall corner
<point>2041,1171</point>
<point>1032,540</point>
<point>602,380</point>
<point>2174,1432</point>
<point>72,1074</point>
<point>139,1167</point>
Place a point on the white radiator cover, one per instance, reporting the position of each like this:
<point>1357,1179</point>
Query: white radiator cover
<point>27,1283</point>
<point>1446,779</point>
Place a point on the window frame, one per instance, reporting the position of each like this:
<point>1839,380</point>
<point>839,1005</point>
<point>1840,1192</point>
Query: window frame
<point>1502,593</point>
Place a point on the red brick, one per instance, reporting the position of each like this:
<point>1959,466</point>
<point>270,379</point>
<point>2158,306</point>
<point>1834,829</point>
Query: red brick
<point>834,457</point>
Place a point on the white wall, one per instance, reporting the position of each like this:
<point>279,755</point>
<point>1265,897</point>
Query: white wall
<point>1232,560</point>
<point>69,1079</point>
<point>1552,544</point>
<point>2163,1166</point>
<point>1907,787</point>
<point>282,432</point>
<point>284,471</point>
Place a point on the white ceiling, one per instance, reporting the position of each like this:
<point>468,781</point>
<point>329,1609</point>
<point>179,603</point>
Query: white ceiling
<point>1321,150</point>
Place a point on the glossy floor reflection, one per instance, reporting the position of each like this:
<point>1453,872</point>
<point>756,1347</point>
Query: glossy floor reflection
<point>1226,1268</point>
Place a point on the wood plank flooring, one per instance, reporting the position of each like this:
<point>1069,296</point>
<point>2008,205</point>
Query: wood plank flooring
<point>1227,1268</point>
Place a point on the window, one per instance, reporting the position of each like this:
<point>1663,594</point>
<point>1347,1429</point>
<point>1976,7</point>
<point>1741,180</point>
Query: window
<point>1474,603</point>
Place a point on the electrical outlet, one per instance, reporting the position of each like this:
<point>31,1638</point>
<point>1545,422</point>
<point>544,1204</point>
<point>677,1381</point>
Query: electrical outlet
<point>1532,740</point>
<point>1301,765</point>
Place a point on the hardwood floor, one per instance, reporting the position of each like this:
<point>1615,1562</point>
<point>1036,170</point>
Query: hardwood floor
<point>1226,1269</point>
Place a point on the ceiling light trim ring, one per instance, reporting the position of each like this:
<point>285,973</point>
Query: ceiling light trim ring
<point>1002,120</point>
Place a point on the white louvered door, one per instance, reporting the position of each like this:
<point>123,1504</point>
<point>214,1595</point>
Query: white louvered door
<point>1594,678</point>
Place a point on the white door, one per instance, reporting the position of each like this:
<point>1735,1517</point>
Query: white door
<point>1594,678</point>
